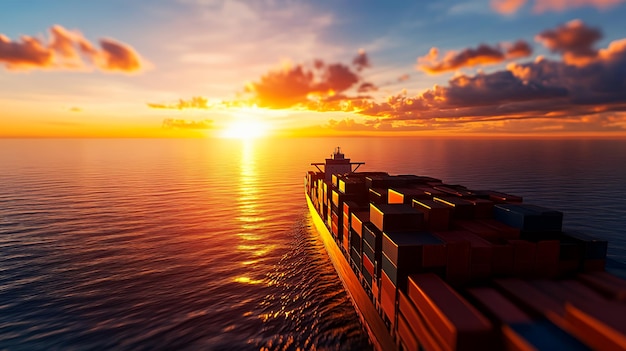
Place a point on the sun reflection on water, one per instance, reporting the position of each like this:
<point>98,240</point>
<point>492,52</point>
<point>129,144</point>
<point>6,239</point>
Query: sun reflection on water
<point>250,216</point>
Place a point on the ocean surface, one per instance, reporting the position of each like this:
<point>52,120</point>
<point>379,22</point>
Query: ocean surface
<point>208,244</point>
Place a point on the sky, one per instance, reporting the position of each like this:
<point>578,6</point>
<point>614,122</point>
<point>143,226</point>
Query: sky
<point>216,68</point>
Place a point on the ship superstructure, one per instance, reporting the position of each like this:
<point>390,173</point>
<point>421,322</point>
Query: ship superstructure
<point>436,266</point>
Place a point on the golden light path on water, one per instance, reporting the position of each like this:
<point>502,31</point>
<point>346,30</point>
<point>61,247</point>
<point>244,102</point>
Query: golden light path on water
<point>249,213</point>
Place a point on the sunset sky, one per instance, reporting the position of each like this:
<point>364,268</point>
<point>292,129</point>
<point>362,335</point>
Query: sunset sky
<point>202,68</point>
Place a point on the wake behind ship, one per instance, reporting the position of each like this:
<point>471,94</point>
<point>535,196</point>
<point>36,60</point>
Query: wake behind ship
<point>436,266</point>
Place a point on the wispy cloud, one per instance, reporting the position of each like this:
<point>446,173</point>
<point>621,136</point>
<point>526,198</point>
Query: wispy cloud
<point>508,7</point>
<point>197,102</point>
<point>482,55</point>
<point>170,123</point>
<point>67,49</point>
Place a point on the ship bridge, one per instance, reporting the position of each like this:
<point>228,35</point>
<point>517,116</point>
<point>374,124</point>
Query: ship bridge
<point>337,164</point>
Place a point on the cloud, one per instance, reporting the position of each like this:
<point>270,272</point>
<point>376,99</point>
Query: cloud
<point>508,7</point>
<point>543,89</point>
<point>301,84</point>
<point>171,123</point>
<point>117,56</point>
<point>482,55</point>
<point>562,5</point>
<point>197,102</point>
<point>574,41</point>
<point>67,50</point>
<point>361,60</point>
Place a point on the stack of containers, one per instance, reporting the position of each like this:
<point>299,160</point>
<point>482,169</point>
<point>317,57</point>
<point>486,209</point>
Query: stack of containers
<point>424,262</point>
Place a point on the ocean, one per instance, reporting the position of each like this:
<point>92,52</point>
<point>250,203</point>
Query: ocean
<point>190,244</point>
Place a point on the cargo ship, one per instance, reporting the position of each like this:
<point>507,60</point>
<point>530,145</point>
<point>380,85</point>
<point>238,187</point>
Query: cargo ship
<point>436,266</point>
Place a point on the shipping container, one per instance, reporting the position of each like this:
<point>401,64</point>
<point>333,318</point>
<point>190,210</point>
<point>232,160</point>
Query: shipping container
<point>396,217</point>
<point>454,320</point>
<point>461,208</point>
<point>436,215</point>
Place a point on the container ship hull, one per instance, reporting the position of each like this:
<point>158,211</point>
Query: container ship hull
<point>436,266</point>
<point>370,319</point>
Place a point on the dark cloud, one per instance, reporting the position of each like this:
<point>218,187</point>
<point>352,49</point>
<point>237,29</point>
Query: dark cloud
<point>183,124</point>
<point>540,89</point>
<point>198,102</point>
<point>574,41</point>
<point>67,50</point>
<point>482,55</point>
<point>361,60</point>
<point>366,87</point>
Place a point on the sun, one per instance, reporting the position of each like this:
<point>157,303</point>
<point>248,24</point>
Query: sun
<point>245,130</point>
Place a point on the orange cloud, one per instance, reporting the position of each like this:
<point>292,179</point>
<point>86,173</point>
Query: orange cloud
<point>117,57</point>
<point>574,41</point>
<point>67,50</point>
<point>195,102</point>
<point>171,123</point>
<point>482,55</point>
<point>299,85</point>
<point>508,7</point>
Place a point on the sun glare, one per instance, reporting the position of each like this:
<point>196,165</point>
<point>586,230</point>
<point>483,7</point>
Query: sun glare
<point>245,130</point>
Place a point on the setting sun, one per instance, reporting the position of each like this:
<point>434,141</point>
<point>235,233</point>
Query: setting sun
<point>245,130</point>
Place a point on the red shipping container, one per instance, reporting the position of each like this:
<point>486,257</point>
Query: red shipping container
<point>456,322</point>
<point>535,301</point>
<point>601,327</point>
<point>458,263</point>
<point>416,324</point>
<point>480,271</point>
<point>505,232</point>
<point>596,265</point>
<point>502,263</point>
<point>436,215</point>
<point>368,265</point>
<point>547,260</point>
<point>388,298</point>
<point>406,337</point>
<point>482,230</point>
<point>568,291</point>
<point>481,249</point>
<point>524,253</point>
<point>375,291</point>
<point>461,208</point>
<point>483,208</point>
<point>335,231</point>
<point>606,284</point>
<point>345,241</point>
<point>501,308</point>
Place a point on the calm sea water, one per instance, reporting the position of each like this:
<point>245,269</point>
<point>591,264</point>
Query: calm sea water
<point>207,244</point>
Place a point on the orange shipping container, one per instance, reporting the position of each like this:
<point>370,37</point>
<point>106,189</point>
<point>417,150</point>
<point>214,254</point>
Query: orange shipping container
<point>357,220</point>
<point>448,315</point>
<point>388,298</point>
<point>416,325</point>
